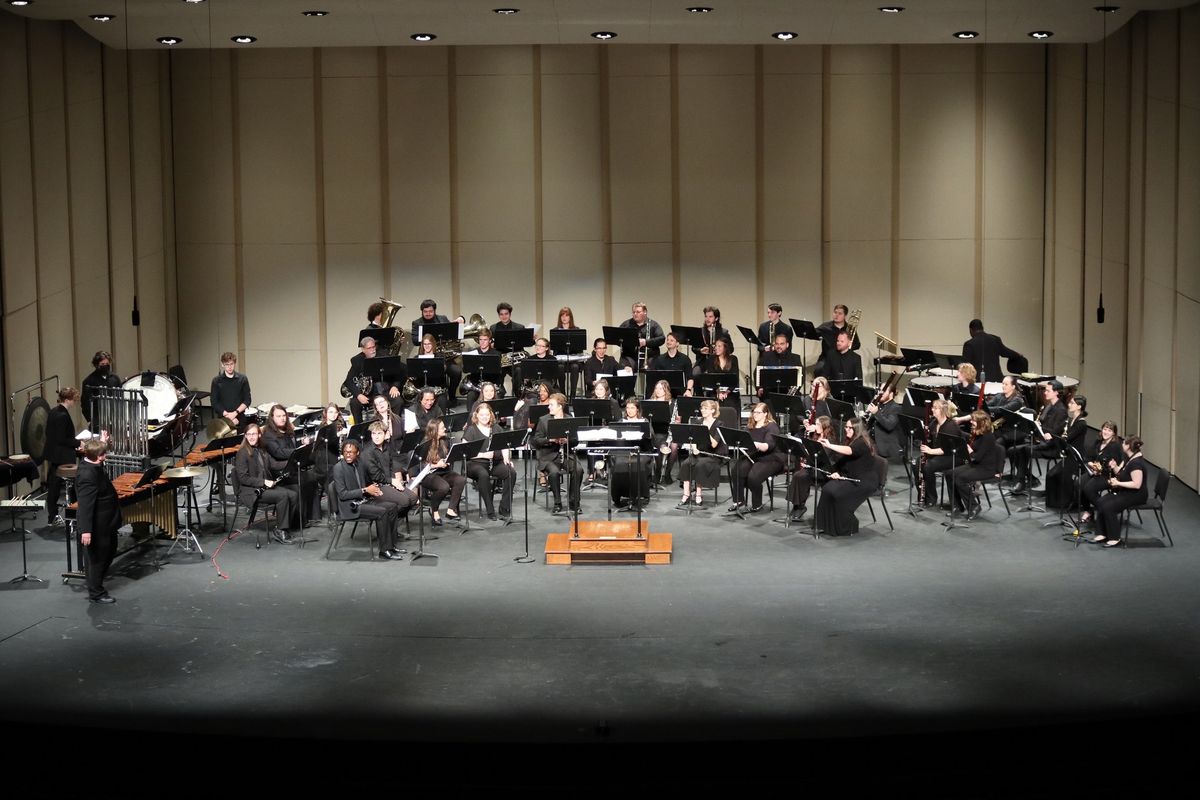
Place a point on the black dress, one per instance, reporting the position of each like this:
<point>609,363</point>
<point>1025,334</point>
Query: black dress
<point>840,499</point>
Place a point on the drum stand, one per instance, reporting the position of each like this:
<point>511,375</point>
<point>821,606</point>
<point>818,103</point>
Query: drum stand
<point>186,536</point>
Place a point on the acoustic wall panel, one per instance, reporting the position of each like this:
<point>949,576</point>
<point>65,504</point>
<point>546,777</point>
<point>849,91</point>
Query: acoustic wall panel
<point>859,167</point>
<point>120,173</point>
<point>493,271</point>
<point>203,162</point>
<point>861,278</point>
<point>421,270</point>
<point>570,158</point>
<point>48,138</point>
<point>207,312</point>
<point>1187,390</point>
<point>641,271</point>
<point>352,282</point>
<point>1188,209</point>
<point>353,172</point>
<point>640,156</point>
<point>573,275</point>
<point>418,124</point>
<point>936,275</point>
<point>791,175</point>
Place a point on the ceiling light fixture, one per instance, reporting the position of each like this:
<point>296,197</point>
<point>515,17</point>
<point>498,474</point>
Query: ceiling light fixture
<point>784,36</point>
<point>699,9</point>
<point>243,39</point>
<point>102,17</point>
<point>423,37</point>
<point>966,34</point>
<point>1040,34</point>
<point>315,13</point>
<point>506,11</point>
<point>604,36</point>
<point>193,2</point>
<point>1107,9</point>
<point>169,40</point>
<point>19,3</point>
<point>891,9</point>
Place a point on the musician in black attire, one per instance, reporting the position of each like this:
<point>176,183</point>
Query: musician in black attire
<point>773,328</point>
<point>358,497</point>
<point>650,335</point>
<point>983,350</point>
<point>252,469</point>
<point>59,449</point>
<point>629,477</point>
<point>804,475</point>
<point>780,355</point>
<point>675,359</point>
<point>279,439</point>
<point>101,376</point>
<point>831,328</point>
<point>328,442</point>
<point>1104,452</point>
<point>702,468</point>
<point>1009,399</point>
<point>506,323</point>
<point>984,463</point>
<point>1053,420</point>
<point>385,468</point>
<point>820,391</point>
<point>230,392</point>
<point>965,380</point>
<point>885,422</point>
<point>766,460</point>
<point>937,460</point>
<point>840,498</point>
<point>98,517</point>
<point>426,408</point>
<point>710,332</point>
<point>1061,478</point>
<point>360,390</point>
<point>490,468</point>
<point>441,480</point>
<point>429,316</point>
<point>843,363</point>
<point>538,360</point>
<point>599,363</point>
<point>551,459</point>
<point>1128,488</point>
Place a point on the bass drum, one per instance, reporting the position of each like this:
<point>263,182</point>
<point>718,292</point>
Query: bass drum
<point>165,429</point>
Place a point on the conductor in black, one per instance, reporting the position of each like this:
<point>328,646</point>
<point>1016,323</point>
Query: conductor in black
<point>98,519</point>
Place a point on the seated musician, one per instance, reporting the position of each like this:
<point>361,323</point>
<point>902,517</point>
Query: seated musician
<point>429,316</point>
<point>1053,422</point>
<point>629,480</point>
<point>984,463</point>
<point>599,363</point>
<point>804,475</point>
<point>375,315</point>
<point>710,332</point>
<point>279,440</point>
<point>527,371</point>
<point>1103,453</point>
<point>702,467</point>
<point>358,497</point>
<point>329,441</point>
<point>484,349</point>
<point>1129,487</point>
<point>937,459</point>
<point>442,480</point>
<point>1060,479</point>
<point>428,348</point>
<point>566,319</point>
<point>384,467</point>
<point>601,391</point>
<point>230,392</point>
<point>490,468</point>
<point>752,472</point>
<point>650,337</point>
<point>426,408</point>
<point>772,328</point>
<point>669,453</point>
<point>852,480</point>
<point>842,363</point>
<point>1009,399</point>
<point>820,391</point>
<point>396,427</point>
<point>252,469</point>
<point>101,376</point>
<point>360,388</point>
<point>59,449</point>
<point>779,355</point>
<point>675,360</point>
<point>965,380</point>
<point>885,418</point>
<point>722,362</point>
<point>553,457</point>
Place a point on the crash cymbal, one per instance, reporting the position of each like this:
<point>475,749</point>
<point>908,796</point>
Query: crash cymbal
<point>219,428</point>
<point>184,472</point>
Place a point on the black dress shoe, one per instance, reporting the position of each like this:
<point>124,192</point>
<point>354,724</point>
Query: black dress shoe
<point>104,599</point>
<point>755,509</point>
<point>283,537</point>
<point>393,555</point>
<point>491,515</point>
<point>735,507</point>
<point>1020,488</point>
<point>437,523</point>
<point>1034,481</point>
<point>797,516</point>
<point>684,503</point>
<point>557,508</point>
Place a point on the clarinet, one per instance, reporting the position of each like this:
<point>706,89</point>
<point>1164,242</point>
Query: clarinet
<point>924,457</point>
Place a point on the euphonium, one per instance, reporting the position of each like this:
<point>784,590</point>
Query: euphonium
<point>515,357</point>
<point>852,324</point>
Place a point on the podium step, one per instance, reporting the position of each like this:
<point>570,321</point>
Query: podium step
<point>609,542</point>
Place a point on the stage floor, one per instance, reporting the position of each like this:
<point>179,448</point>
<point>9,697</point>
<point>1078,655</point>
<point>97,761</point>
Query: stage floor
<point>756,631</point>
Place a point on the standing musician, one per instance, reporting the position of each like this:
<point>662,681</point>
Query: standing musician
<point>650,337</point>
<point>441,480</point>
<point>710,332</point>
<point>674,359</point>
<point>840,499</point>
<point>386,469</point>
<point>984,463</point>
<point>430,316</point>
<point>59,449</point>
<point>490,468</point>
<point>358,497</point>
<point>599,363</point>
<point>425,409</point>
<point>328,441</point>
<point>702,468</point>
<point>765,461</point>
<point>279,440</point>
<point>831,328</point>
<point>506,323</point>
<point>101,376</point>
<point>885,417</point>
<point>551,457</point>
<point>1053,420</point>
<point>230,392</point>
<point>1126,489</point>
<point>98,517</point>
<point>938,460</point>
<point>842,363</point>
<point>805,475</point>
<point>1060,479</point>
<point>773,328</point>
<point>780,355</point>
<point>983,350</point>
<point>252,468</point>
<point>359,389</point>
<point>1106,450</point>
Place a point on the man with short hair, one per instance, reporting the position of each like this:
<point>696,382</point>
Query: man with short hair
<point>780,355</point>
<point>984,349</point>
<point>599,363</point>
<point>98,517</point>
<point>830,329</point>
<point>842,364</point>
<point>650,336</point>
<point>505,321</point>
<point>230,392</point>
<point>773,327</point>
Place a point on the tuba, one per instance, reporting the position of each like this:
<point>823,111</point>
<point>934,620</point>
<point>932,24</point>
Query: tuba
<point>472,329</point>
<point>400,343</point>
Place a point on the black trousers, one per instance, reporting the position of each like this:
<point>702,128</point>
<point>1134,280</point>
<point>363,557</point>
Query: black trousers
<point>383,513</point>
<point>933,466</point>
<point>442,483</point>
<point>97,557</point>
<point>1093,487</point>
<point>554,471</point>
<point>487,474</point>
<point>284,499</point>
<point>961,479</point>
<point>752,475</point>
<point>1110,507</point>
<point>309,497</point>
<point>53,490</point>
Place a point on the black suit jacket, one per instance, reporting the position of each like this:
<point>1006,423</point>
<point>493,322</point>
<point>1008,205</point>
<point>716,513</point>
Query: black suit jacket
<point>547,451</point>
<point>356,369</point>
<point>842,366</point>
<point>592,368</point>
<point>984,351</point>
<point>98,512</point>
<point>422,321</point>
<point>764,335</point>
<point>60,437</point>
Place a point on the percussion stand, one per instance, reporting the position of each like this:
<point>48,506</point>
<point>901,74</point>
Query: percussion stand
<point>187,536</point>
<point>15,511</point>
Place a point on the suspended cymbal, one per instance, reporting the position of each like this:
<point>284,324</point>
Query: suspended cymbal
<point>184,472</point>
<point>219,428</point>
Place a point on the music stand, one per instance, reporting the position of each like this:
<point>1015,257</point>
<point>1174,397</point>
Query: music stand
<point>918,360</point>
<point>1029,428</point>
<point>384,337</point>
<point>219,468</point>
<point>713,381</point>
<point>441,331</point>
<point>840,410</point>
<point>485,367</point>
<point>622,386</point>
<point>698,435</point>
<point>913,427</point>
<point>845,389</point>
<point>637,449</point>
<point>956,448</point>
<point>742,445</point>
<point>432,371</point>
<point>688,407</point>
<point>593,409</point>
<point>536,412</point>
<point>785,407</point>
<point>510,341</point>
<point>392,370</point>
<point>625,338</point>
<point>688,335</point>
<point>300,460</point>
<point>538,371</point>
<point>510,440</point>
<point>464,452</point>
<point>805,329</point>
<point>504,407</point>
<point>674,377</point>
<point>569,341</point>
<point>751,338</point>
<point>360,432</point>
<point>947,360</point>
<point>778,379</point>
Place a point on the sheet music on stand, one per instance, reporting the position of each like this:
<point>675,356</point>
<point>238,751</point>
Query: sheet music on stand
<point>420,476</point>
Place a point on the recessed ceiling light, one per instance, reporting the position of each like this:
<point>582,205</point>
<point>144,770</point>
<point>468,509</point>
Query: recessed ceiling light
<point>784,36</point>
<point>966,34</point>
<point>700,9</point>
<point>506,11</point>
<point>891,9</point>
<point>604,35</point>
<point>103,17</point>
<point>193,2</point>
<point>19,3</point>
<point>315,13</point>
<point>169,40</point>
<point>243,39</point>
<point>423,37</point>
<point>1040,34</point>
<point>1108,9</point>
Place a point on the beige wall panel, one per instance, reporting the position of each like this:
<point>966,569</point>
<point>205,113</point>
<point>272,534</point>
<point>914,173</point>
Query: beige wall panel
<point>1116,173</point>
<point>116,140</point>
<point>1068,286</point>
<point>798,60</point>
<point>1187,390</point>
<point>859,172</point>
<point>716,158</point>
<point>207,313</point>
<point>862,279</point>
<point>720,274</point>
<point>937,156</point>
<point>1189,56</point>
<point>917,59</point>
<point>203,147</point>
<point>1162,62</point>
<point>14,74</point>
<point>791,156</point>
<point>640,160</point>
<point>294,62</point>
<point>716,60</point>
<point>352,282</point>
<point>279,285</point>
<point>147,154</point>
<point>1136,177</point>
<point>350,140</point>
<point>574,276</point>
<point>421,270</point>
<point>349,62</point>
<point>16,214</point>
<point>571,191</point>
<point>287,376</point>
<point>125,336</point>
<point>641,270</point>
<point>1013,173</point>
<point>419,158</point>
<point>21,364</point>
<point>640,60</point>
<point>1068,162</point>
<point>792,278</point>
<point>1158,371</point>
<point>495,157</point>
<point>416,61</point>
<point>1189,202</point>
<point>1104,372</point>
<point>89,228</point>
<point>570,60</point>
<point>1015,58</point>
<point>1069,60</point>
<point>867,59</point>
<point>495,60</point>
<point>1160,192</point>
<point>57,343</point>
<point>278,169</point>
<point>152,304</point>
<point>1012,294</point>
<point>926,282</point>
<point>480,267</point>
<point>48,133</point>
<point>92,320</point>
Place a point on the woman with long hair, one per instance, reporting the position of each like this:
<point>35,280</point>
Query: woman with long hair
<point>984,462</point>
<point>1106,449</point>
<point>804,476</point>
<point>328,441</point>
<point>1060,479</point>
<point>252,470</point>
<point>853,480</point>
<point>702,468</point>
<point>1127,488</point>
<point>566,319</point>
<point>280,441</point>
<point>441,479</point>
<point>489,468</point>
<point>766,460</point>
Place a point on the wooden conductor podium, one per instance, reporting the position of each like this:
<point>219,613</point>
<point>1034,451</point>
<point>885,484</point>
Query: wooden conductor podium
<point>608,542</point>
